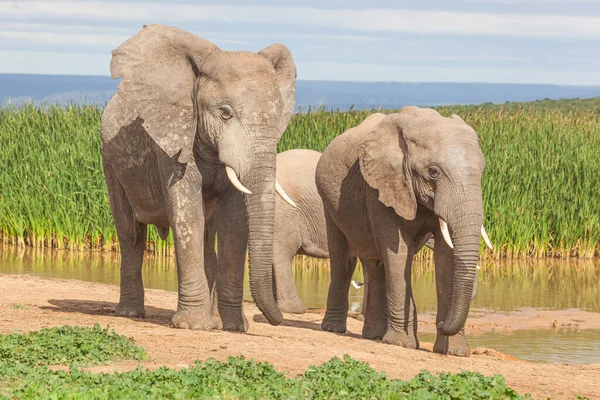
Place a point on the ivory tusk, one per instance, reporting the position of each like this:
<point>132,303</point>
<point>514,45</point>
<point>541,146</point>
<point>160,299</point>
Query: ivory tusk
<point>446,233</point>
<point>235,181</point>
<point>486,239</point>
<point>283,194</point>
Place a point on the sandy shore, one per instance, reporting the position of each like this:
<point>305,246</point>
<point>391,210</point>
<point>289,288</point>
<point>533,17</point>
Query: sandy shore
<point>295,344</point>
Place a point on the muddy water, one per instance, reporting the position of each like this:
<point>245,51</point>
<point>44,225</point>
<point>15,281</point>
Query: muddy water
<point>503,286</point>
<point>539,345</point>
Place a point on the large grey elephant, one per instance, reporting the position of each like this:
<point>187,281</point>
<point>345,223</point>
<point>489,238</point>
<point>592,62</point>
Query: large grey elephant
<point>299,223</point>
<point>386,184</point>
<point>190,124</point>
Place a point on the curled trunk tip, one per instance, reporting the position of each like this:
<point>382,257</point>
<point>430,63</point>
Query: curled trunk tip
<point>448,329</point>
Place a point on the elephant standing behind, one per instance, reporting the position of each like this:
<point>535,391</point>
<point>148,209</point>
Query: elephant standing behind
<point>387,184</point>
<point>193,129</point>
<point>299,223</point>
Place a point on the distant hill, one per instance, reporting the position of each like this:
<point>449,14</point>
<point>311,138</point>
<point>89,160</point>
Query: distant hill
<point>61,89</point>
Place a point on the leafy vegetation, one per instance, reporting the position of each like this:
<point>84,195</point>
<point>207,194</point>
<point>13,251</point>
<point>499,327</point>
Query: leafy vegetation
<point>66,345</point>
<point>540,183</point>
<point>239,378</point>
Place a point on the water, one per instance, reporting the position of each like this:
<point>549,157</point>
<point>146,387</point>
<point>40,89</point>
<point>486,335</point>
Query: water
<point>503,286</point>
<point>561,346</point>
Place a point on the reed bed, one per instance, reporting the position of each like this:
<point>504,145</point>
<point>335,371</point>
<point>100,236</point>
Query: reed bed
<point>540,185</point>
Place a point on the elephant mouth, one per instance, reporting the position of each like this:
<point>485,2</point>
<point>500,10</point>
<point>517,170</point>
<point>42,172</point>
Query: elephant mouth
<point>233,178</point>
<point>448,239</point>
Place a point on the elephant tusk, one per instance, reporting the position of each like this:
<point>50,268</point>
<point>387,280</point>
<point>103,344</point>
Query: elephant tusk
<point>235,181</point>
<point>283,194</point>
<point>486,239</point>
<point>446,233</point>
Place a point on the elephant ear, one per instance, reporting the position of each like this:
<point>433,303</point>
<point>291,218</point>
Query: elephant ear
<point>383,163</point>
<point>159,66</point>
<point>285,68</point>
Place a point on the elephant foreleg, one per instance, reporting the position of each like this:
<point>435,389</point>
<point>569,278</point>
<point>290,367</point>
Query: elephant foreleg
<point>186,216</point>
<point>211,268</point>
<point>132,243</point>
<point>375,301</point>
<point>402,312</point>
<point>232,237</point>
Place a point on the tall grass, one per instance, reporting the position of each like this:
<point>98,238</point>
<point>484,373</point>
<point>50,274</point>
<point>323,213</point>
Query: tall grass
<point>541,183</point>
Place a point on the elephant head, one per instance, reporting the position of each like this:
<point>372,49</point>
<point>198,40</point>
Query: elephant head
<point>200,102</point>
<point>416,158</point>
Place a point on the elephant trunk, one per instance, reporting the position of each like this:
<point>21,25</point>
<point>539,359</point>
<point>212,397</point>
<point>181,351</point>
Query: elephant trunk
<point>465,226</point>
<point>260,209</point>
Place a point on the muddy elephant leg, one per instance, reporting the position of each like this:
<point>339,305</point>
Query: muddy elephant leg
<point>210,266</point>
<point>285,287</point>
<point>375,301</point>
<point>402,313</point>
<point>132,243</point>
<point>457,344</point>
<point>232,237</point>
<point>342,266</point>
<point>185,208</point>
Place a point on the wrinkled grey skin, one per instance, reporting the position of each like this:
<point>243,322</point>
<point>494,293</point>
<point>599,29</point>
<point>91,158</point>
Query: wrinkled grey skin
<point>384,184</point>
<point>184,110</point>
<point>298,230</point>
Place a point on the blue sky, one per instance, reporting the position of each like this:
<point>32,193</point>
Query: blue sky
<point>521,41</point>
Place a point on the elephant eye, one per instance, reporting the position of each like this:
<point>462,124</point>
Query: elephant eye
<point>434,172</point>
<point>226,112</point>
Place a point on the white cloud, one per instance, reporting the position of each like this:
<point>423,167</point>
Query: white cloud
<point>54,63</point>
<point>441,73</point>
<point>384,20</point>
<point>64,39</point>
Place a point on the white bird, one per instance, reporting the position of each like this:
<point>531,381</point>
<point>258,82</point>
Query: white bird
<point>357,285</point>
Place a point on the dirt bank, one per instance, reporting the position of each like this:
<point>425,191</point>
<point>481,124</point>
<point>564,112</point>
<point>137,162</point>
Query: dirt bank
<point>294,345</point>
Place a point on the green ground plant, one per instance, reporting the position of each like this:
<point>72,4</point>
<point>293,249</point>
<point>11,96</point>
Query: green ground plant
<point>540,183</point>
<point>67,345</point>
<point>26,375</point>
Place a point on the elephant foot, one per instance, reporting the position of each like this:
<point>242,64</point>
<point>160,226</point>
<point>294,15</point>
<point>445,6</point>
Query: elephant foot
<point>235,321</point>
<point>133,309</point>
<point>374,331</point>
<point>334,324</point>
<point>400,339</point>
<point>292,306</point>
<point>217,324</point>
<point>453,345</point>
<point>215,317</point>
<point>196,320</point>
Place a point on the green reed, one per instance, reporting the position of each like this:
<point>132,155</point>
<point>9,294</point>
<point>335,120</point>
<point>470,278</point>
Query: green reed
<point>540,185</point>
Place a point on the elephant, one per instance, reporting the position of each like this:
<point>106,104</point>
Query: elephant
<point>193,128</point>
<point>299,223</point>
<point>386,185</point>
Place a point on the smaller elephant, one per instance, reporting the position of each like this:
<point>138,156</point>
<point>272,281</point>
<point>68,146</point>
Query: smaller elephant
<point>386,186</point>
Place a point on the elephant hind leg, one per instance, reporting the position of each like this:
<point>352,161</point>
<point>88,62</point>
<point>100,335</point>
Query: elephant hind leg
<point>375,300</point>
<point>342,267</point>
<point>132,243</point>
